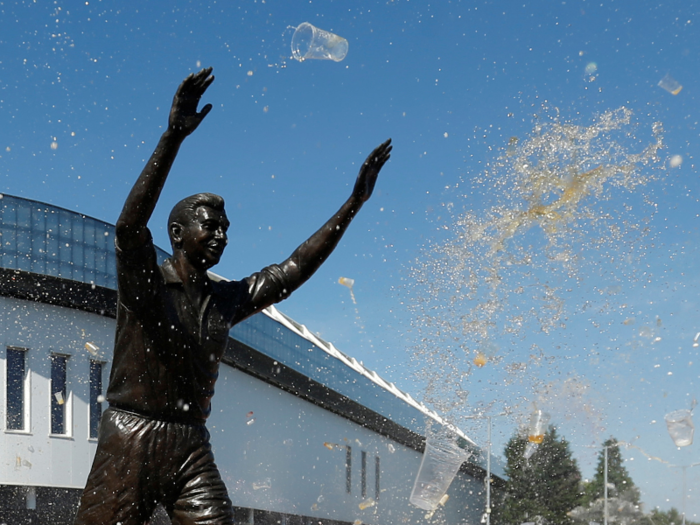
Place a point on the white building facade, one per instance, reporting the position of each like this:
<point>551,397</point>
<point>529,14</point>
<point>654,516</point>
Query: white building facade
<point>301,432</point>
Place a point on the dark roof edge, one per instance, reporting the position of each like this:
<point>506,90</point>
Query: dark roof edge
<point>58,291</point>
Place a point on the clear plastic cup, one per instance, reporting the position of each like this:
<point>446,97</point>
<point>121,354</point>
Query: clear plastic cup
<point>670,84</point>
<point>311,42</point>
<point>530,449</point>
<point>538,426</point>
<point>444,454</point>
<point>680,427</point>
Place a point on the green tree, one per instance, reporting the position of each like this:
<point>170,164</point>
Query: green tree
<point>665,517</point>
<point>620,483</point>
<point>544,488</point>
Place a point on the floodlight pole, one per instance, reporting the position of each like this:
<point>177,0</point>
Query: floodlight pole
<point>684,495</point>
<point>487,480</point>
<point>605,487</point>
<point>488,474</point>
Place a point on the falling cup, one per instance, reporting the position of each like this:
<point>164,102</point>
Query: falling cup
<point>444,454</point>
<point>311,42</point>
<point>346,281</point>
<point>670,84</point>
<point>530,449</point>
<point>538,426</point>
<point>680,427</point>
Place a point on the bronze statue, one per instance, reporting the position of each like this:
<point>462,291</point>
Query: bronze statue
<point>172,328</point>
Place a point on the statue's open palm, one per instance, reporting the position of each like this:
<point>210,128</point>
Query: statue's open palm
<point>370,171</point>
<point>184,117</point>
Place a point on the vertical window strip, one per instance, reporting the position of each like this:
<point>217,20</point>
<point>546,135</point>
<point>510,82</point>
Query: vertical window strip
<point>95,397</point>
<point>348,469</point>
<point>58,394</point>
<point>377,471</point>
<point>363,475</point>
<point>15,395</point>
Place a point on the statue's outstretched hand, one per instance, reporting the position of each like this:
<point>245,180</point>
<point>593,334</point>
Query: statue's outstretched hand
<point>183,113</point>
<point>370,170</point>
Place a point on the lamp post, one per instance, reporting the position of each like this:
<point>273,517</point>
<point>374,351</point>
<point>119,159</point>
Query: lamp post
<point>487,480</point>
<point>605,478</point>
<point>684,495</point>
<point>488,473</point>
<point>605,485</point>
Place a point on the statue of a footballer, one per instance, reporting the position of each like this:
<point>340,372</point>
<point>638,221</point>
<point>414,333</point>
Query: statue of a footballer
<point>172,329</point>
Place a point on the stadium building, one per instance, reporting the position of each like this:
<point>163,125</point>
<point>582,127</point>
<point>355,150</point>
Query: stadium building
<point>302,433</point>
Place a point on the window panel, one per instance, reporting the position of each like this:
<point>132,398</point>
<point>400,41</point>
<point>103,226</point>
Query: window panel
<point>52,223</point>
<point>77,229</point>
<point>95,397</point>
<point>39,221</point>
<point>24,261</point>
<point>15,381</point>
<point>24,217</point>
<point>66,222</point>
<point>58,394</point>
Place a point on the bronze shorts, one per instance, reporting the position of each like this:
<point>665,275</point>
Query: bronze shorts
<point>141,462</point>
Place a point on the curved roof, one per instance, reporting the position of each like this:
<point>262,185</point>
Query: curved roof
<point>48,240</point>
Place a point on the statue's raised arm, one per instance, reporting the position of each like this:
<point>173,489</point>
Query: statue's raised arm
<point>183,120</point>
<point>308,257</point>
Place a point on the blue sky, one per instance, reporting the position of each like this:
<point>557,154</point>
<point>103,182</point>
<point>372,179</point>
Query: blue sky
<point>463,89</point>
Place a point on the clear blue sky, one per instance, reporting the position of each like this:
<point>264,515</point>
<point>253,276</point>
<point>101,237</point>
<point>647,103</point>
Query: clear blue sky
<point>85,88</point>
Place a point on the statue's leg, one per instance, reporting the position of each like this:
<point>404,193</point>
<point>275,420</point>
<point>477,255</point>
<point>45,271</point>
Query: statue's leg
<point>115,491</point>
<point>203,498</point>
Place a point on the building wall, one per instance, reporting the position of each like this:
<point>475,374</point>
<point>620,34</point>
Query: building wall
<point>34,456</point>
<point>278,452</point>
<point>284,454</point>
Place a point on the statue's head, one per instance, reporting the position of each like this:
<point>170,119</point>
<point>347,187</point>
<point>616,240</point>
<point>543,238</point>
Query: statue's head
<point>197,228</point>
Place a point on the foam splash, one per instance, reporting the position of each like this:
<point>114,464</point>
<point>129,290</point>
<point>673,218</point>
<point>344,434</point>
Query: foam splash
<point>555,201</point>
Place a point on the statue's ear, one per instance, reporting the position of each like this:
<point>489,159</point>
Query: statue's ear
<point>175,231</point>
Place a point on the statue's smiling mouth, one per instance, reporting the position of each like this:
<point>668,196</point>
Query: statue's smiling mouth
<point>216,246</point>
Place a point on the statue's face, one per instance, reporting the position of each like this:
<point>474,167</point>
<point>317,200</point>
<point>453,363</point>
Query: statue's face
<point>203,240</point>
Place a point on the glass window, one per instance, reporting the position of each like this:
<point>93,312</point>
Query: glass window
<point>51,250</point>
<point>65,223</point>
<point>377,473</point>
<point>363,475</point>
<point>16,376</point>
<point>95,397</point>
<point>77,229</point>
<point>9,246</point>
<point>24,217</point>
<point>58,394</point>
<point>57,242</point>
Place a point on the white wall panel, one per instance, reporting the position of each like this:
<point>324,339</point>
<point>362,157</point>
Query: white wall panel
<point>281,453</point>
<point>34,457</point>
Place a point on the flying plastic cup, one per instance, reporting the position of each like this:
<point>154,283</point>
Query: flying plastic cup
<point>311,42</point>
<point>530,449</point>
<point>346,281</point>
<point>680,427</point>
<point>444,454</point>
<point>538,426</point>
<point>670,84</point>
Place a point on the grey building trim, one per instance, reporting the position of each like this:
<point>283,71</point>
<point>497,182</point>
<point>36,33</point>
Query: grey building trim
<point>58,291</point>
